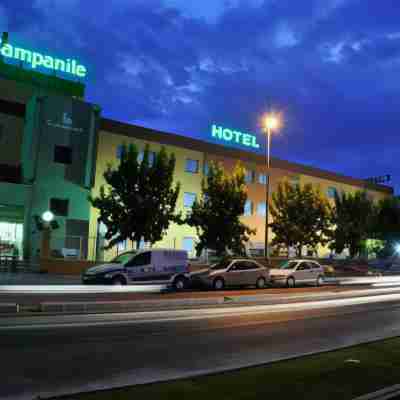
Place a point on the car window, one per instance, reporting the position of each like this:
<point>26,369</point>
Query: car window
<point>221,265</point>
<point>243,266</point>
<point>303,266</point>
<point>122,258</point>
<point>288,265</point>
<point>314,265</point>
<point>140,259</point>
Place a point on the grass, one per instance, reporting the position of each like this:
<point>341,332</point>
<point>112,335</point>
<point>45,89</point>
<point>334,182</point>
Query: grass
<point>319,377</point>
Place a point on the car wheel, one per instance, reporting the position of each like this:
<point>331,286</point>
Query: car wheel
<point>290,282</point>
<point>118,281</point>
<point>180,284</point>
<point>218,284</point>
<point>320,281</point>
<point>260,284</point>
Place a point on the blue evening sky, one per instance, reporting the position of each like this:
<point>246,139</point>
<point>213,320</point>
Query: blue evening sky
<point>330,66</point>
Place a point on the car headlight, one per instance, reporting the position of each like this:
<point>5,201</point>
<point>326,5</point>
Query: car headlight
<point>110,275</point>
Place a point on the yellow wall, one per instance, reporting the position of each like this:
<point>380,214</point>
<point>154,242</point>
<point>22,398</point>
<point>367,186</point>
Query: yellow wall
<point>107,150</point>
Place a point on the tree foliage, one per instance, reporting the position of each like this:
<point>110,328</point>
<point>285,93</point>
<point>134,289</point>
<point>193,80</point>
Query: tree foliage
<point>386,224</point>
<point>301,217</point>
<point>352,219</point>
<point>216,214</point>
<point>139,200</point>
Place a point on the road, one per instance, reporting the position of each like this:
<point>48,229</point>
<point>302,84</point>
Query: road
<point>36,294</point>
<point>63,354</point>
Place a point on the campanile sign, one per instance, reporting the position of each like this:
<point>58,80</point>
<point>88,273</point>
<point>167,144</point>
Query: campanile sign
<point>35,59</point>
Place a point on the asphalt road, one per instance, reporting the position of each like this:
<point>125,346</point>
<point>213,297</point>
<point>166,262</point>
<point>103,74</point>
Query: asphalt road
<point>58,355</point>
<point>26,295</point>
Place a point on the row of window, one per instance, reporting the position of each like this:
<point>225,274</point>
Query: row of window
<point>189,199</point>
<point>63,155</point>
<point>193,166</point>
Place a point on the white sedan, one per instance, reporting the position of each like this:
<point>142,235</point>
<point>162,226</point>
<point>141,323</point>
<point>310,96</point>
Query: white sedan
<point>293,272</point>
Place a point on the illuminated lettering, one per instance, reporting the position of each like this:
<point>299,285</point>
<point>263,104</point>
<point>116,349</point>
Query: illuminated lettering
<point>81,71</point>
<point>22,55</point>
<point>36,60</point>
<point>247,139</point>
<point>238,135</point>
<point>230,135</point>
<point>217,131</point>
<point>6,51</point>
<point>227,134</point>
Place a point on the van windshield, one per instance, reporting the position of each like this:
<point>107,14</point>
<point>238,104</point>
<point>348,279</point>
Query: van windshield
<point>122,258</point>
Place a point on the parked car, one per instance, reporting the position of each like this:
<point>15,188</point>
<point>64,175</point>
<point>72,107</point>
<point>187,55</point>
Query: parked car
<point>232,272</point>
<point>155,266</point>
<point>293,272</point>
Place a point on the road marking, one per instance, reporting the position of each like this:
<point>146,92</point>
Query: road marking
<point>198,314</point>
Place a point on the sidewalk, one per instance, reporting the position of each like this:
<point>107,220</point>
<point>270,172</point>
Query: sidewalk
<point>32,278</point>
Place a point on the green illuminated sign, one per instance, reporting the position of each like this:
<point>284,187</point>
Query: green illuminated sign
<point>36,60</point>
<point>233,136</point>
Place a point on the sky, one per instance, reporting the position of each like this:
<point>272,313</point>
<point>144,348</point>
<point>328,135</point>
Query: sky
<point>330,67</point>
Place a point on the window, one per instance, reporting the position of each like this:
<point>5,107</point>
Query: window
<point>303,266</point>
<point>119,151</point>
<point>261,207</point>
<point>243,266</point>
<point>59,207</point>
<point>206,168</point>
<point>248,208</point>
<point>250,176</point>
<point>188,245</point>
<point>152,157</point>
<point>294,180</point>
<point>331,192</point>
<point>314,265</point>
<point>188,199</point>
<point>140,260</point>
<point>262,179</point>
<point>192,166</point>
<point>122,245</point>
<point>63,154</point>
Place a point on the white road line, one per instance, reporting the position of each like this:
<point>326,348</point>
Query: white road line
<point>198,314</point>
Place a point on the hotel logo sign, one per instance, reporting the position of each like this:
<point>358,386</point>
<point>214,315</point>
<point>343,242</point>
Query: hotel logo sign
<point>66,123</point>
<point>234,136</point>
<point>35,60</point>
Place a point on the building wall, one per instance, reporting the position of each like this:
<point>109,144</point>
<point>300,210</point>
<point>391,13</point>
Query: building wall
<point>175,236</point>
<point>190,182</point>
<point>11,132</point>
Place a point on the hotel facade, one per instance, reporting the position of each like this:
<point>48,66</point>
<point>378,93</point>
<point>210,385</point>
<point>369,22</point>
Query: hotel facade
<point>55,147</point>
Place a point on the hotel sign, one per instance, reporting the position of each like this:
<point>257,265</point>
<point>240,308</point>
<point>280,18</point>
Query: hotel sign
<point>234,136</point>
<point>36,59</point>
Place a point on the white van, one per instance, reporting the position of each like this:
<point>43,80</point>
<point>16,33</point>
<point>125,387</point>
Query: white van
<point>154,266</point>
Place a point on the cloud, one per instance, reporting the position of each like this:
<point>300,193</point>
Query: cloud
<point>331,66</point>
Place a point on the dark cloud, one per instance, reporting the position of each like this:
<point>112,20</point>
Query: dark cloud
<point>331,66</point>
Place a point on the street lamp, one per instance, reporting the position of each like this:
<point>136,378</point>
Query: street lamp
<point>271,122</point>
<point>47,216</point>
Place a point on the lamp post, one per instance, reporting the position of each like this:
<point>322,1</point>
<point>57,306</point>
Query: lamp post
<point>271,123</point>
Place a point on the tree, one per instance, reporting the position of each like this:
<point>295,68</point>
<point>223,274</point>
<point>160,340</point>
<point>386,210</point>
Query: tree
<point>216,214</point>
<point>140,198</point>
<point>301,217</point>
<point>386,225</point>
<point>352,219</point>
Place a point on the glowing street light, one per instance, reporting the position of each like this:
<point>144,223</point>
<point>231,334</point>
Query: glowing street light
<point>47,216</point>
<point>271,122</point>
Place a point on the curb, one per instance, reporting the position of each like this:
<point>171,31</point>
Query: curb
<point>383,394</point>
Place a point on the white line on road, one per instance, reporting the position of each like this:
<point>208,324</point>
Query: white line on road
<point>195,314</point>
